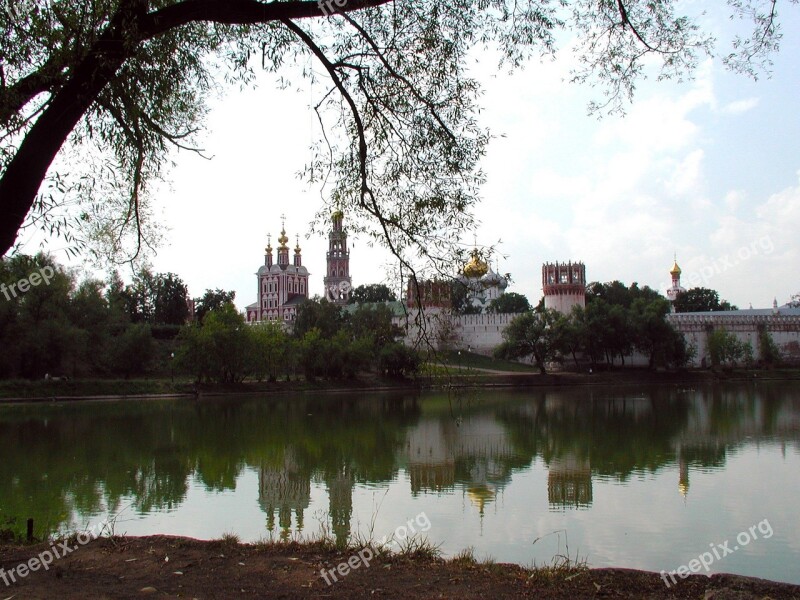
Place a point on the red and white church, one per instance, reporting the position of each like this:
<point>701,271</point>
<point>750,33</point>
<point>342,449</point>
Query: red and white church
<point>283,285</point>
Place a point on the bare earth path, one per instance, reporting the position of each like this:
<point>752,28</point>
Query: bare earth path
<point>171,567</point>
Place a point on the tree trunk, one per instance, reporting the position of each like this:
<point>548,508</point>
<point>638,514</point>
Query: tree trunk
<point>129,27</point>
<point>26,171</point>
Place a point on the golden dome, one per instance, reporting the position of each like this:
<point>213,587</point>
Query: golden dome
<point>268,249</point>
<point>675,270</point>
<point>337,215</point>
<point>476,267</point>
<point>283,239</point>
<point>297,247</point>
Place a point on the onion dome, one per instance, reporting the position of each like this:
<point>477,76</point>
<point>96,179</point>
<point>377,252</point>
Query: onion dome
<point>297,247</point>
<point>283,239</point>
<point>337,215</point>
<point>268,249</point>
<point>491,278</point>
<point>475,267</point>
<point>675,270</point>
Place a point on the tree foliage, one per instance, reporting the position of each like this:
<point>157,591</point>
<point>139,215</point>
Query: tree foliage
<point>96,94</point>
<point>531,334</point>
<point>701,300</point>
<point>60,327</point>
<point>212,300</point>
<point>725,349</point>
<point>374,292</point>
<point>616,321</point>
<point>510,302</point>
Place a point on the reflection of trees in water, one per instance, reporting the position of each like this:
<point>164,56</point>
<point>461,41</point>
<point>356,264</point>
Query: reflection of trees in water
<point>618,434</point>
<point>67,459</point>
<point>629,432</point>
<point>81,459</point>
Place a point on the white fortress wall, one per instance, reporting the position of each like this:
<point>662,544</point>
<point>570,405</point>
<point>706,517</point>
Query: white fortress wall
<point>482,333</point>
<point>783,328</point>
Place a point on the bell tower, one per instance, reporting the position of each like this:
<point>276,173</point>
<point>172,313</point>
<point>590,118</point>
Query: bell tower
<point>338,284</point>
<point>676,289</point>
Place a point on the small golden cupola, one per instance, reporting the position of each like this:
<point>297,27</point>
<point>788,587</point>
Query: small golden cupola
<point>476,267</point>
<point>675,270</point>
<point>283,239</point>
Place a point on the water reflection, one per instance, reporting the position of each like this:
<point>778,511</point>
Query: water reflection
<point>62,463</point>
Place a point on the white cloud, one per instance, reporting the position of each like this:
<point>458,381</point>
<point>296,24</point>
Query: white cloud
<point>738,107</point>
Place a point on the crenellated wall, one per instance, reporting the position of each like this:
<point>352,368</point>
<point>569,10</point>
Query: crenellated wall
<point>783,325</point>
<point>482,333</point>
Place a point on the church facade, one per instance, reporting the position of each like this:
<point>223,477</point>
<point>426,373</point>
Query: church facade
<point>282,284</point>
<point>283,280</point>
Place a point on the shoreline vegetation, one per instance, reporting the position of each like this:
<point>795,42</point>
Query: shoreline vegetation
<point>459,370</point>
<point>122,566</point>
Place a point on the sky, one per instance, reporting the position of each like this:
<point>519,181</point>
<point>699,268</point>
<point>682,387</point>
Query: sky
<point>707,171</point>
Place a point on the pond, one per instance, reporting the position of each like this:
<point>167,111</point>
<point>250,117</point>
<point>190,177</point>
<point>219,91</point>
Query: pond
<point>642,477</point>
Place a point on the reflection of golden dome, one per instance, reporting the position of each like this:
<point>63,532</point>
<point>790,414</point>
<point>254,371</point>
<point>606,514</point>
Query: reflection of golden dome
<point>476,267</point>
<point>683,488</point>
<point>283,239</point>
<point>480,496</point>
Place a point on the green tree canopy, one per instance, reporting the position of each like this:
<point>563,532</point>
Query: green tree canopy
<point>212,300</point>
<point>510,302</point>
<point>531,334</point>
<point>700,300</point>
<point>95,94</point>
<point>374,292</point>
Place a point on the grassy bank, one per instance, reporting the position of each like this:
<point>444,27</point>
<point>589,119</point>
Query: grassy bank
<point>467,370</point>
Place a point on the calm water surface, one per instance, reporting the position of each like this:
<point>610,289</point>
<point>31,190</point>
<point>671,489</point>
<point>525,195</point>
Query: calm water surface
<point>645,478</point>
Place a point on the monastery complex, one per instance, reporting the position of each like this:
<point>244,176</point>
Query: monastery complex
<point>283,284</point>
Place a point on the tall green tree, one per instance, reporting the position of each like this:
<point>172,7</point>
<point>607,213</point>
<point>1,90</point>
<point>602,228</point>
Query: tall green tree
<point>170,300</point>
<point>122,83</point>
<point>510,302</point>
<point>531,334</point>
<point>36,334</point>
<point>725,349</point>
<point>212,300</point>
<point>374,292</point>
<point>322,315</point>
<point>701,300</point>
<point>220,349</point>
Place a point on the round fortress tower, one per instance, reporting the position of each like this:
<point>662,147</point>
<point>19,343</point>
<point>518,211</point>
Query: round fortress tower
<point>564,286</point>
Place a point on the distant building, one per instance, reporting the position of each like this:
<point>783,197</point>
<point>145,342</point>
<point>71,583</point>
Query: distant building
<point>338,283</point>
<point>564,286</point>
<point>483,285</point>
<point>282,286</point>
<point>675,289</point>
<point>432,293</point>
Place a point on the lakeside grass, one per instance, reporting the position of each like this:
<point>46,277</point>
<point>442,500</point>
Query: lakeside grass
<point>476,371</point>
<point>471,360</point>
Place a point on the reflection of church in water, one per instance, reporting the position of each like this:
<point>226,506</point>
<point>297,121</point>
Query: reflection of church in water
<point>477,454</point>
<point>284,489</point>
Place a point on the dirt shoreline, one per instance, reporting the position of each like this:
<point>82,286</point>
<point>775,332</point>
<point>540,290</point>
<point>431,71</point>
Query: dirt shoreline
<point>176,567</point>
<point>472,379</point>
